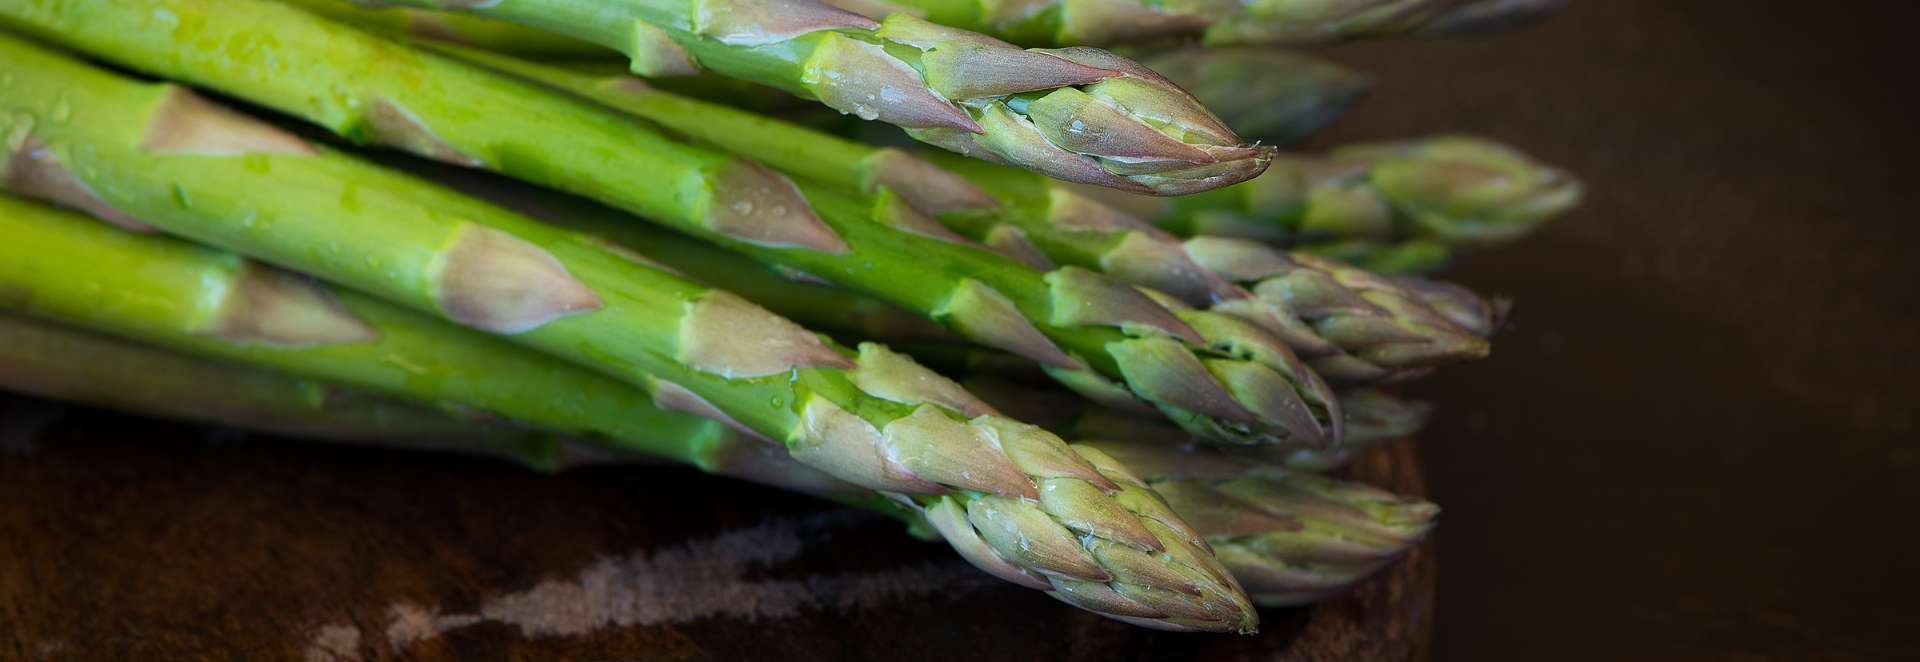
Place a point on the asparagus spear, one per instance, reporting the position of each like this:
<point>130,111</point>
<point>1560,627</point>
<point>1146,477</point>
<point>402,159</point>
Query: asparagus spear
<point>1025,215</point>
<point>1271,22</point>
<point>1293,537</point>
<point>52,361</point>
<point>217,305</point>
<point>1273,96</point>
<point>1312,397</point>
<point>1460,192</point>
<point>1079,114</point>
<point>1047,517</point>
<point>499,36</point>
<point>1091,330</point>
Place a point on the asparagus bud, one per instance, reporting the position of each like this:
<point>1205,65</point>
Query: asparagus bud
<point>1290,538</point>
<point>1477,314</point>
<point>64,363</point>
<point>1351,325</point>
<point>1459,192</point>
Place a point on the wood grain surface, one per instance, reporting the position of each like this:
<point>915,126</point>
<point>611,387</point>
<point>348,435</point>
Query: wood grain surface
<point>130,539</point>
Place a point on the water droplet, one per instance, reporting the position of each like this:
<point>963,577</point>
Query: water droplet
<point>778,402</point>
<point>62,112</point>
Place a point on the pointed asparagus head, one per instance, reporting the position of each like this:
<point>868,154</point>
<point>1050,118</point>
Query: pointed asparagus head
<point>1270,95</point>
<point>1290,538</point>
<point>1468,191</point>
<point>1019,502</point>
<point>1477,314</point>
<point>1097,538</point>
<point>1355,327</point>
<point>1078,114</point>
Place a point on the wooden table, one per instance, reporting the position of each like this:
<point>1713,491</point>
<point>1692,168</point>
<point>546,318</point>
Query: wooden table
<point>128,539</point>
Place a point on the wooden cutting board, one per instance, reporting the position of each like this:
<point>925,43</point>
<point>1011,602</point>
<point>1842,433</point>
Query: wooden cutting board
<point>129,539</point>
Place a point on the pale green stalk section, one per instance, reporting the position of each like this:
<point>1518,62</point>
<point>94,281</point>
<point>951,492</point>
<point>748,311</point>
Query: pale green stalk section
<point>497,36</point>
<point>813,303</point>
<point>374,230</point>
<point>54,361</point>
<point>174,294</point>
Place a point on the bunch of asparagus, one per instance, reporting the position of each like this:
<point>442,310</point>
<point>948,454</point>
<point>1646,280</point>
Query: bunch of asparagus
<point>559,264</point>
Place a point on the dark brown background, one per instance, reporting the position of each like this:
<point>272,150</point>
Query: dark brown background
<point>1697,442</point>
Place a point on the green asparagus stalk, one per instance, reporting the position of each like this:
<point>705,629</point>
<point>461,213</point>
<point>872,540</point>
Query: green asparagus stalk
<point>1312,396</point>
<point>1459,192</point>
<point>1078,114</point>
<point>1096,333</point>
<point>792,294</point>
<point>1292,537</point>
<point>1010,219</point>
<point>1395,337</point>
<point>1214,23</point>
<point>61,363</point>
<point>216,305</point>
<point>1272,96</point>
<point>498,36</point>
<point>1022,220</point>
<point>1081,528</point>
